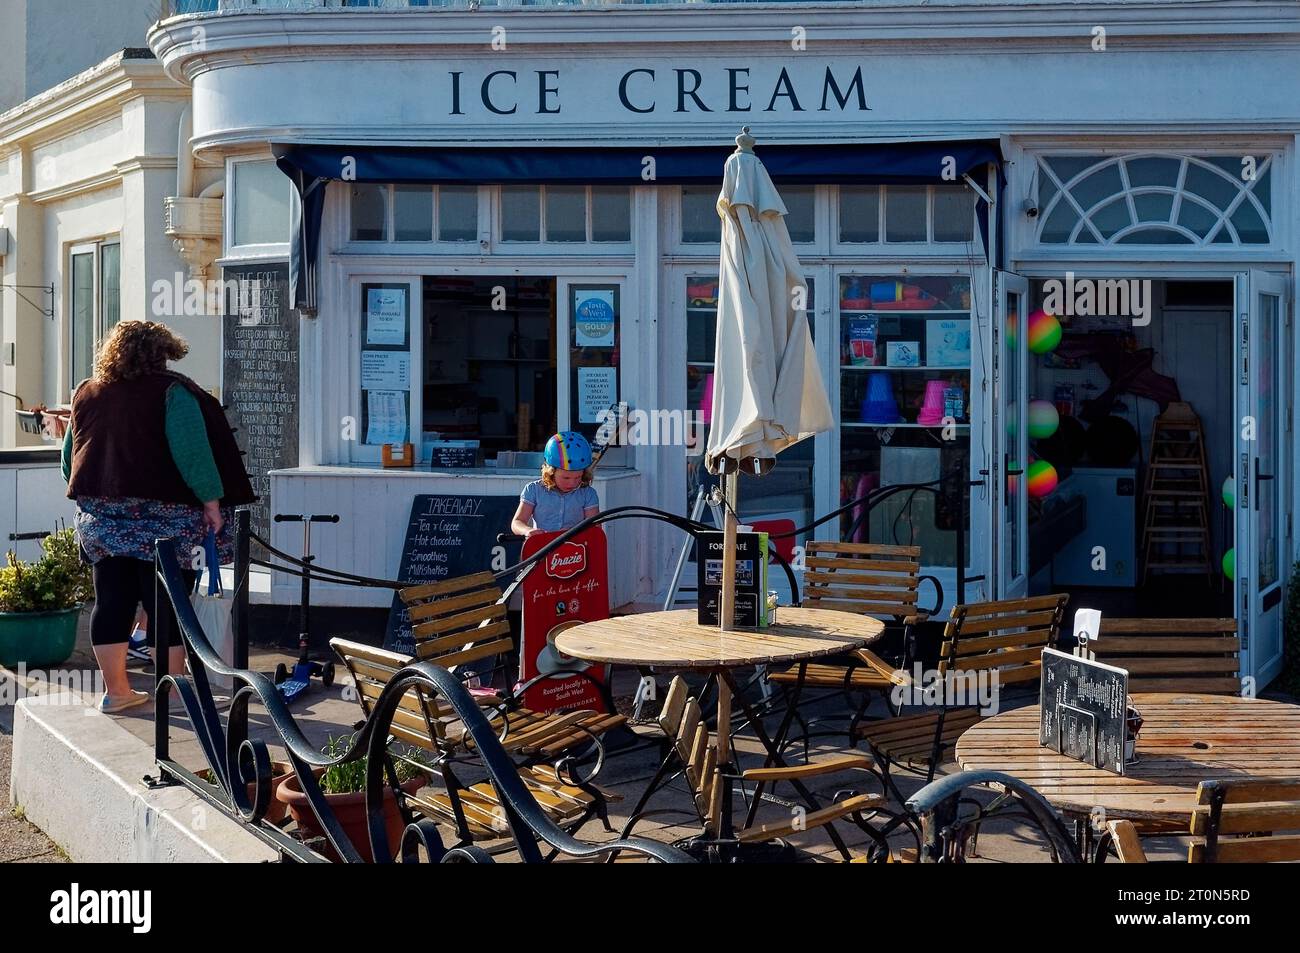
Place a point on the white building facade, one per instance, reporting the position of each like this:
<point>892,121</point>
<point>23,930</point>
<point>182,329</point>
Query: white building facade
<point>570,155</point>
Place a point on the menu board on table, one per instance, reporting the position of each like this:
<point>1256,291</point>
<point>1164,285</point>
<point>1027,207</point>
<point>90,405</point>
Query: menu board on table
<point>259,375</point>
<point>447,537</point>
<point>1082,706</point>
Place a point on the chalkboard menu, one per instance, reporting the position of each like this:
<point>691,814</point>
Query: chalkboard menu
<point>259,375</point>
<point>446,537</point>
<point>1083,706</point>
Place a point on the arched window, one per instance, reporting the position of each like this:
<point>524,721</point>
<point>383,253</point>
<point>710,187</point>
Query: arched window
<point>1155,199</point>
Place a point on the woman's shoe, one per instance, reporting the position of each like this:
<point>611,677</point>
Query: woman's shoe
<point>109,705</point>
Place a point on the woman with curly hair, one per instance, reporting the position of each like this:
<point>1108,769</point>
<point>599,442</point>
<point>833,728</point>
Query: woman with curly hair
<point>148,455</point>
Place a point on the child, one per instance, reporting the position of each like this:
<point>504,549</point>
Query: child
<point>563,497</point>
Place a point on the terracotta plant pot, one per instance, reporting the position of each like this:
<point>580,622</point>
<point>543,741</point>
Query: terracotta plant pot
<point>281,771</point>
<point>38,639</point>
<point>350,809</point>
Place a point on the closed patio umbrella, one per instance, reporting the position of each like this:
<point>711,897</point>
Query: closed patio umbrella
<point>767,389</point>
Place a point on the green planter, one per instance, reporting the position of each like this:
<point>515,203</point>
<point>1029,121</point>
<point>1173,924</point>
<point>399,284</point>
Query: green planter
<point>39,639</point>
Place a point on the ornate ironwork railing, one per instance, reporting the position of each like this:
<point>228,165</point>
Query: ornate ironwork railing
<point>240,765</point>
<point>947,827</point>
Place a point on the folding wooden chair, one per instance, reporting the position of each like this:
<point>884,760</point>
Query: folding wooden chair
<point>1173,655</point>
<point>463,620</point>
<point>986,640</point>
<point>472,810</point>
<point>693,756</point>
<point>1234,822</point>
<point>867,579</point>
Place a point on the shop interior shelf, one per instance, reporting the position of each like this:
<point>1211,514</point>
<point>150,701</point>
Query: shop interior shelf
<point>882,367</point>
<point>908,312</point>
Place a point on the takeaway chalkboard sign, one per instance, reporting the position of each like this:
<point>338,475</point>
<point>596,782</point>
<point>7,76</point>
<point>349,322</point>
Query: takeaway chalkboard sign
<point>446,537</point>
<point>1082,705</point>
<point>259,375</point>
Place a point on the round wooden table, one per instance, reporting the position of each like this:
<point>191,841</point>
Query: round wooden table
<point>675,640</point>
<point>1185,739</point>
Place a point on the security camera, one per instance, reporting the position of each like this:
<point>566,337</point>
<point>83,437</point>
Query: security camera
<point>1031,208</point>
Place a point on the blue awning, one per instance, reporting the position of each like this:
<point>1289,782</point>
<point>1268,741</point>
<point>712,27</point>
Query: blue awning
<point>313,166</point>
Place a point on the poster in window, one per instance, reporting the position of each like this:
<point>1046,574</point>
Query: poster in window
<point>597,390</point>
<point>385,370</point>
<point>385,316</point>
<point>594,317</point>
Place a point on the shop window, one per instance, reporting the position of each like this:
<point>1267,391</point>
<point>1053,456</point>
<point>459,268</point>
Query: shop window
<point>261,195</point>
<point>1155,199</point>
<point>786,492</point>
<point>489,364</point>
<point>700,223</point>
<point>457,213</point>
<point>904,364</point>
<point>412,213</point>
<point>94,302</point>
<point>369,212</point>
<point>859,213</point>
<point>906,214</point>
<point>565,214</point>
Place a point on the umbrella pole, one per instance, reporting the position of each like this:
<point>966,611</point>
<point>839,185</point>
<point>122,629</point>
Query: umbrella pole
<point>727,613</point>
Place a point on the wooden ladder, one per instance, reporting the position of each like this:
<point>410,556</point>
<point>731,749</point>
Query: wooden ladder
<point>1176,518</point>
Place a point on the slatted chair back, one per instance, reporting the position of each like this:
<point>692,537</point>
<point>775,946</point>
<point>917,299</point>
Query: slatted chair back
<point>1265,810</point>
<point>419,720</point>
<point>682,721</point>
<point>879,581</point>
<point>457,621</point>
<point>1007,636</point>
<point>1173,655</point>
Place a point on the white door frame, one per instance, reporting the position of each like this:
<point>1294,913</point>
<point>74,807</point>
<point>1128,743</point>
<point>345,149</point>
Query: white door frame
<point>1009,451</point>
<point>1262,368</point>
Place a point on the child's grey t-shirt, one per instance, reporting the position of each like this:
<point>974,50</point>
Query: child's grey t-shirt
<point>553,510</point>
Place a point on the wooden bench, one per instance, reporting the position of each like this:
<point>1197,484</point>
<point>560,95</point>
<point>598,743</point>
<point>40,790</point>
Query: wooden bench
<point>473,810</point>
<point>692,746</point>
<point>1173,655</point>
<point>1234,822</point>
<point>1006,637</point>
<point>866,579</point>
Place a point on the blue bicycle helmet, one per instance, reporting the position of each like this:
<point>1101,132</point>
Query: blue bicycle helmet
<point>568,450</point>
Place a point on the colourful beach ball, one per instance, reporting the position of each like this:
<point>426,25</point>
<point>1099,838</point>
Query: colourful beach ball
<point>1013,320</point>
<point>1230,563</point>
<point>1044,332</point>
<point>1043,419</point>
<point>1040,478</point>
<point>1012,482</point>
<point>1229,493</point>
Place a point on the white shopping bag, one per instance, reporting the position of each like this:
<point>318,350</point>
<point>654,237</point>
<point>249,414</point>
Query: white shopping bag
<point>213,610</point>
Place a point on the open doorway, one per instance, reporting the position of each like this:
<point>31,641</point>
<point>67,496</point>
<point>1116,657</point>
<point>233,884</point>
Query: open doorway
<point>1122,530</point>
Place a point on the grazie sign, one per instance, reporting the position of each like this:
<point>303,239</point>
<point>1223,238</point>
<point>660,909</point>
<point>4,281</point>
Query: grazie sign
<point>648,90</point>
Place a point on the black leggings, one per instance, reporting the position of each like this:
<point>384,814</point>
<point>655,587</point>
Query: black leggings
<point>121,583</point>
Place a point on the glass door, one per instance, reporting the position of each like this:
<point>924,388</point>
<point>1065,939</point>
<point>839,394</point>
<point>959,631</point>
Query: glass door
<point>1010,461</point>
<point>1263,446</point>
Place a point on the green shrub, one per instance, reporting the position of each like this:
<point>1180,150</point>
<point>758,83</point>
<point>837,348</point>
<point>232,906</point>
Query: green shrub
<point>62,547</point>
<point>350,778</point>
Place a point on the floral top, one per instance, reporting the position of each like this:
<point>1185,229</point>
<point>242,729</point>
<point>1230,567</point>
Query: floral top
<point>128,526</point>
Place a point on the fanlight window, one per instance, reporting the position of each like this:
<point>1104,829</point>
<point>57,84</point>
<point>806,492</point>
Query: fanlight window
<point>1153,199</point>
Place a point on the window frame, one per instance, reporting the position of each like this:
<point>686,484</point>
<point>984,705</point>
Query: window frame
<point>253,250</point>
<point>98,328</point>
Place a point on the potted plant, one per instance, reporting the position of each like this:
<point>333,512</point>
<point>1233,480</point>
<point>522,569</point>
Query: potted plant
<point>40,603</point>
<point>344,787</point>
<point>281,771</point>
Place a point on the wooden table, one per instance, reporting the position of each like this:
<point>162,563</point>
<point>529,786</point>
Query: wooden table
<point>675,640</point>
<point>1185,739</point>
